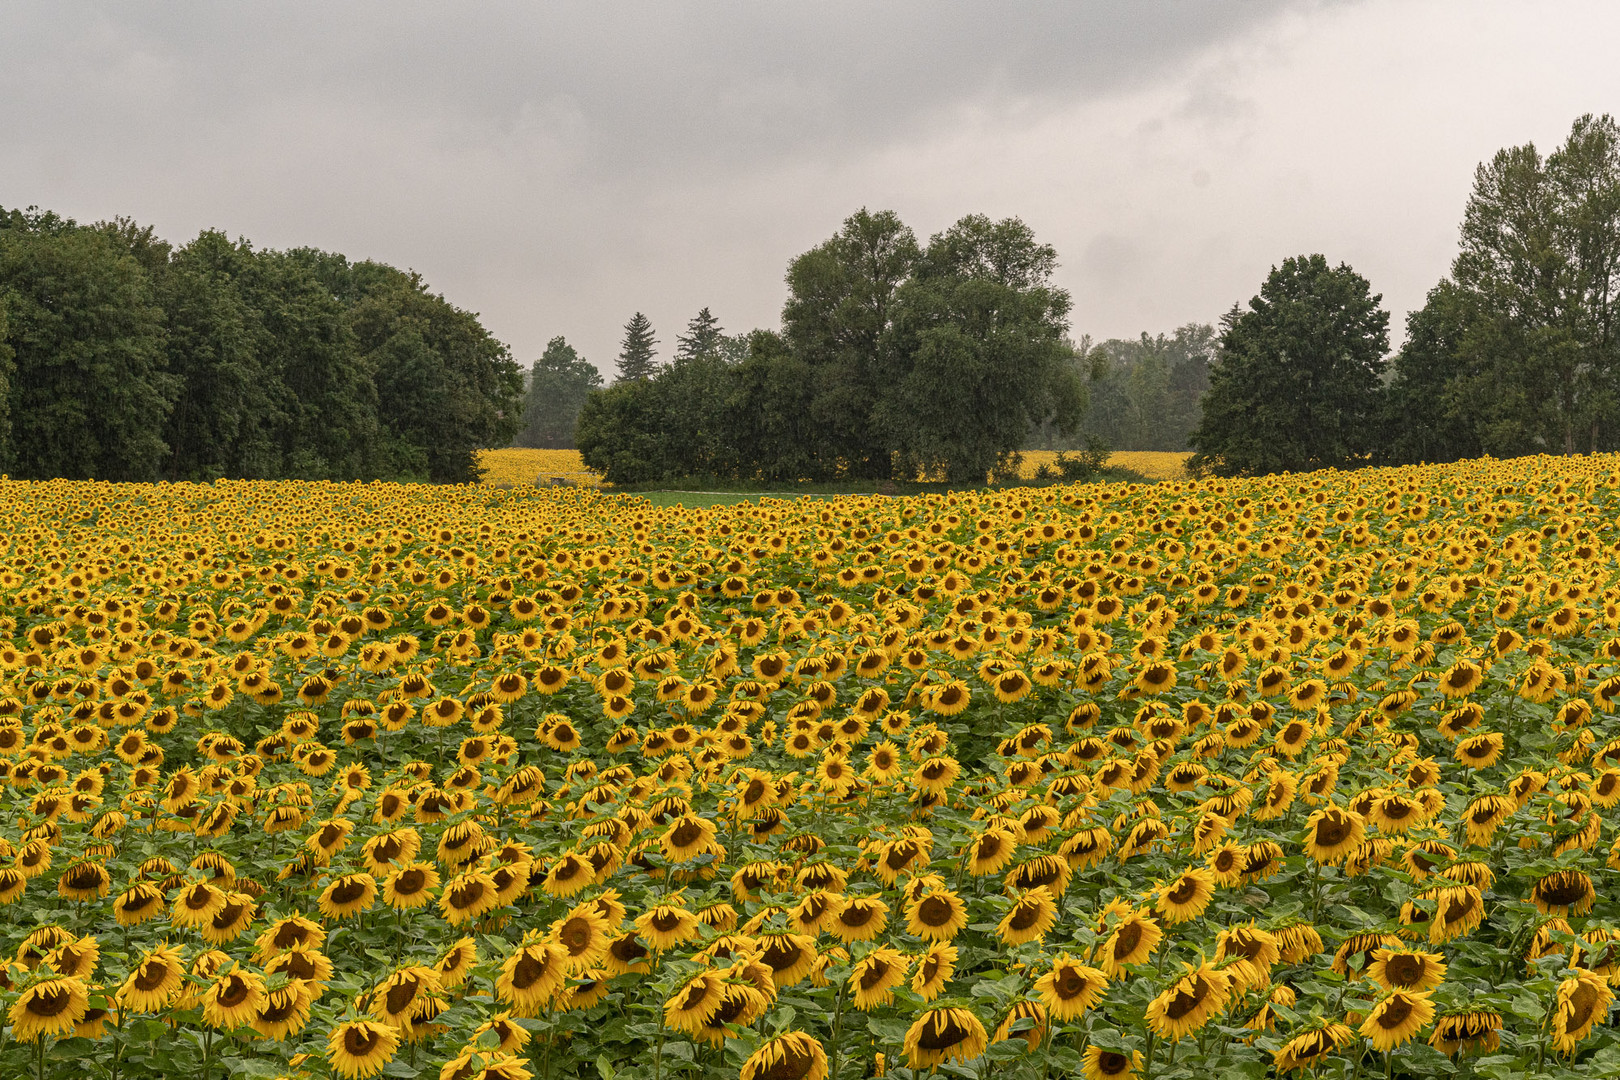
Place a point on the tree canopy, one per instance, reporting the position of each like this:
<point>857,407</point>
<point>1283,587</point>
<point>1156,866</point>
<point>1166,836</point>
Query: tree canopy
<point>559,383</point>
<point>123,357</point>
<point>892,358</point>
<point>1517,352</point>
<point>637,351</point>
<point>1297,385</point>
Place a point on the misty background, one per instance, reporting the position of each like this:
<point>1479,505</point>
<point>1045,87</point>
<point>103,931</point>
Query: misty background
<point>557,168</point>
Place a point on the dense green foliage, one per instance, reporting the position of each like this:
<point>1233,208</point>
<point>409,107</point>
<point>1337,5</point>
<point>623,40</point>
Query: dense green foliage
<point>1145,393</point>
<point>894,359</point>
<point>636,353</point>
<point>1517,351</point>
<point>1297,386</point>
<point>559,383</point>
<point>124,358</point>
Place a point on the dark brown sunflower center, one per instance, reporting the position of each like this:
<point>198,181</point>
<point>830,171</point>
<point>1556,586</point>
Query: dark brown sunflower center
<point>466,895</point>
<point>935,911</point>
<point>233,992</point>
<point>1025,915</point>
<point>1394,1013</point>
<point>152,975</point>
<point>1112,1064</point>
<point>875,973</point>
<point>348,891</point>
<point>529,970</point>
<point>1404,969</point>
<point>1126,939</point>
<point>1331,832</point>
<point>942,1034</point>
<point>1562,889</point>
<point>1186,1001</point>
<point>686,834</point>
<point>1068,983</point>
<point>48,1002</point>
<point>857,914</point>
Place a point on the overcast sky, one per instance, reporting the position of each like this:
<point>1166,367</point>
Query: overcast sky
<point>559,166</point>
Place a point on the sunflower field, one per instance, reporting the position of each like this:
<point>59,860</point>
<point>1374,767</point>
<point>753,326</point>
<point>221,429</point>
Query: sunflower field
<point>1220,778</point>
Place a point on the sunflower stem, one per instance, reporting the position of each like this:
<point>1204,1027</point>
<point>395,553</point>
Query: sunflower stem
<point>658,1055</point>
<point>1316,889</point>
<point>838,1020</point>
<point>1147,1059</point>
<point>208,1051</point>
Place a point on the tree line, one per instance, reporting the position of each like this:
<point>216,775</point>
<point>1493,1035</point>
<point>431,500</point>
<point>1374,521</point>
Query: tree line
<point>1514,352</point>
<point>895,358</point>
<point>123,357</point>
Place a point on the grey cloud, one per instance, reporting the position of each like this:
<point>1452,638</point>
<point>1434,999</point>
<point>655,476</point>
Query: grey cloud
<point>559,165</point>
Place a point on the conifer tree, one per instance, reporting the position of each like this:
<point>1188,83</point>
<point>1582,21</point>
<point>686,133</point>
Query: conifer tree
<point>636,353</point>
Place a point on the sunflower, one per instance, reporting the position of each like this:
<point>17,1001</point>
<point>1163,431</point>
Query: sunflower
<point>861,918</point>
<point>687,838</point>
<point>154,981</point>
<point>1564,892</point>
<point>691,1006</point>
<point>1468,1033</point>
<point>740,1006</point>
<point>52,1006</point>
<point>789,956</point>
<point>567,875</point>
<point>350,894</point>
<point>1102,1064</point>
<point>13,882</point>
<point>453,965</point>
<point>945,1034</point>
<point>1033,1035</point>
<point>309,966</point>
<point>875,975</point>
<point>1480,751</point>
<point>1333,833</point>
<point>410,886</point>
<point>1583,999</point>
<point>285,934</point>
<point>1070,988</point>
<point>282,1012</point>
<point>1252,951</point>
<point>666,926</point>
<point>990,851</point>
<point>934,969</point>
<point>937,915</point>
<point>583,936</point>
<point>1461,679</point>
<point>1396,1018</point>
<point>1187,896</point>
<point>233,999</point>
<point>1190,1002</point>
<point>1135,938</point>
<point>196,905</point>
<point>1307,1049</point>
<point>1406,969</point>
<point>76,958</point>
<point>84,881</point>
<point>1458,910</point>
<point>406,997</point>
<point>231,921</point>
<point>513,1036</point>
<point>530,976</point>
<point>1030,917</point>
<point>467,896</point>
<point>792,1055</point>
<point>360,1048</point>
